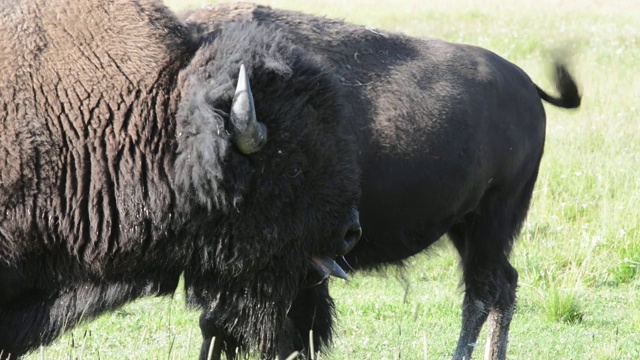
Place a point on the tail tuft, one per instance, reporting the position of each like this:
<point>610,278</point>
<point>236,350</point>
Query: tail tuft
<point>570,97</point>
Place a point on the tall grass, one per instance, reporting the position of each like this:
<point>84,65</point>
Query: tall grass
<point>579,252</point>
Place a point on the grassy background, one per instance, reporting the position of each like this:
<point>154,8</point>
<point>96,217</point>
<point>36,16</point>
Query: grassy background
<point>579,253</point>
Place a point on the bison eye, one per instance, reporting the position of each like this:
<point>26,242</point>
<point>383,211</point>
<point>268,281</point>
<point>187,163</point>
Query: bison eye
<point>293,172</point>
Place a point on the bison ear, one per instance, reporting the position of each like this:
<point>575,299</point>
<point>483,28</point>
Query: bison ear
<point>249,135</point>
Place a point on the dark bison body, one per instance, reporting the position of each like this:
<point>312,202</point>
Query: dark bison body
<point>450,138</point>
<point>131,154</point>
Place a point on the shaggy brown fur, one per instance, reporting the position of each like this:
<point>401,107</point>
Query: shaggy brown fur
<point>87,90</point>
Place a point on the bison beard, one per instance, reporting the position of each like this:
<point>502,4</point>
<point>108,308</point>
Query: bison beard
<point>132,153</point>
<point>450,138</point>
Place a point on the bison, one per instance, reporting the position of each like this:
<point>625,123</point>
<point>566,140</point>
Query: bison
<point>449,138</point>
<point>132,153</point>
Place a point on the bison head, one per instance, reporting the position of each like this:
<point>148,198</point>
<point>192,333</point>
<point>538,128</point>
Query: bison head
<point>266,177</point>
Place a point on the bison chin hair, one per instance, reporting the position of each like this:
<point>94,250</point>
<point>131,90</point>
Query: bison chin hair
<point>252,308</point>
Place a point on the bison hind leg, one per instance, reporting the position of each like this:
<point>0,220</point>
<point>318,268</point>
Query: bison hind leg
<point>500,316</point>
<point>484,239</point>
<point>490,290</point>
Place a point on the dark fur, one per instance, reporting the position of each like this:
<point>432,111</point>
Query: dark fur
<point>450,140</point>
<point>118,174</point>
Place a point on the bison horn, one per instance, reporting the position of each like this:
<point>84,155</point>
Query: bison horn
<point>248,134</point>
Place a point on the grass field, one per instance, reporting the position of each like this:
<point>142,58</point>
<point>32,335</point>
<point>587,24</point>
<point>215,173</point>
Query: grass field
<point>579,253</point>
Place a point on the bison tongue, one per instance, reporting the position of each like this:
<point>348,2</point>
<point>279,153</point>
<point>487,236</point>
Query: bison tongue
<point>328,267</point>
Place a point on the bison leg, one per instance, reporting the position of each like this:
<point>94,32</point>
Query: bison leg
<point>310,318</point>
<point>490,284</point>
<point>474,314</point>
<point>476,310</point>
<point>484,240</point>
<point>216,340</point>
<point>500,318</point>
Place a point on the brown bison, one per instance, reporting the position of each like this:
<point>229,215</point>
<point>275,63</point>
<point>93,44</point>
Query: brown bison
<point>132,153</point>
<point>449,140</point>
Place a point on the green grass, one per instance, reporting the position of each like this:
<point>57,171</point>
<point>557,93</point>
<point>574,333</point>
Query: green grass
<point>561,307</point>
<point>579,253</point>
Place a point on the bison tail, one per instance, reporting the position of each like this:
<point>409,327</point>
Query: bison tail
<point>566,85</point>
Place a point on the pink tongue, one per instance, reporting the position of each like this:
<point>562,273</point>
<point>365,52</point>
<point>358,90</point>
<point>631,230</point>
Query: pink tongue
<point>328,267</point>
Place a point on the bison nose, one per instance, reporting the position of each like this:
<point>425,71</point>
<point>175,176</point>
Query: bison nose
<point>327,266</point>
<point>352,231</point>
